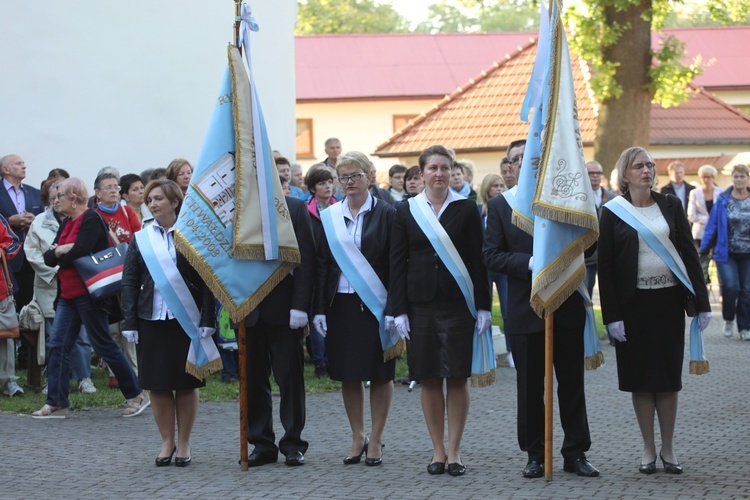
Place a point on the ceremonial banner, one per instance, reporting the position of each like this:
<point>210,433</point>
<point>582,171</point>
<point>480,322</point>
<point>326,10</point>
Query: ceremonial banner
<point>234,208</point>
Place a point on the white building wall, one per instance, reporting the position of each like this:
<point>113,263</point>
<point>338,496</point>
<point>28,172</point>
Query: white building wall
<point>130,84</point>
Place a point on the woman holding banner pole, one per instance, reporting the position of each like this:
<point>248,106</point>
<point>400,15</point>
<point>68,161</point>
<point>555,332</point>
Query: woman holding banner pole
<point>163,298</point>
<point>439,294</point>
<point>648,232</point>
<point>351,304</point>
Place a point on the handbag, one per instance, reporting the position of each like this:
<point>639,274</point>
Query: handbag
<point>101,272</point>
<point>8,316</point>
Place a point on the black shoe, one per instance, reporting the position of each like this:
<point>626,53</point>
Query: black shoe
<point>456,469</point>
<point>295,458</point>
<point>533,469</point>
<point>375,461</point>
<point>581,466</point>
<point>256,459</point>
<point>182,462</point>
<point>320,371</point>
<point>164,461</point>
<point>670,468</point>
<point>358,458</point>
<point>229,379</point>
<point>647,468</point>
<point>436,468</point>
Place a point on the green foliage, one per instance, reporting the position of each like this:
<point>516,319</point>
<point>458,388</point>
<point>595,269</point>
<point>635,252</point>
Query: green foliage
<point>481,16</point>
<point>730,11</point>
<point>347,16</point>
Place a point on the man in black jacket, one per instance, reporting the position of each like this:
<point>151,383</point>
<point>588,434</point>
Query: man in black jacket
<point>508,250</point>
<point>275,331</point>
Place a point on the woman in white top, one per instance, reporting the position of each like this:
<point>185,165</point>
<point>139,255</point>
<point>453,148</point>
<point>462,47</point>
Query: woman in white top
<point>700,202</point>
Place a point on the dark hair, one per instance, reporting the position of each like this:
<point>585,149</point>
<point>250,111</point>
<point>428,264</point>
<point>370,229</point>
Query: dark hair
<point>128,180</point>
<point>146,175</point>
<point>170,189</point>
<point>282,160</point>
<point>396,169</point>
<point>103,177</point>
<point>515,144</point>
<point>412,172</point>
<point>316,176</point>
<point>505,161</point>
<point>58,172</point>
<point>435,150</point>
<point>158,173</point>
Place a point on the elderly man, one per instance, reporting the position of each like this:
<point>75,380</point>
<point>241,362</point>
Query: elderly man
<point>677,185</point>
<point>333,150</point>
<point>601,196</point>
<point>19,204</point>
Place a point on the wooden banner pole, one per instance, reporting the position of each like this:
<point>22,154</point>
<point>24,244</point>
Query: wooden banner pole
<point>549,339</point>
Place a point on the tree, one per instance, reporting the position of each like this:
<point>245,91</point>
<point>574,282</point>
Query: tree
<point>481,16</point>
<point>348,16</point>
<point>614,36</point>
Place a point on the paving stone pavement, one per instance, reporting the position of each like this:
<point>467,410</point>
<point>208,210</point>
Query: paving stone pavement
<point>97,454</point>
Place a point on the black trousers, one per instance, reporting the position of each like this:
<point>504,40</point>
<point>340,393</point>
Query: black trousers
<point>528,355</point>
<point>276,348</point>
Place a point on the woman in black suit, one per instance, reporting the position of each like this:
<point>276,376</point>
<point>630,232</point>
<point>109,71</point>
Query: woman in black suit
<point>430,308</point>
<point>644,310</point>
<point>149,321</point>
<point>353,344</point>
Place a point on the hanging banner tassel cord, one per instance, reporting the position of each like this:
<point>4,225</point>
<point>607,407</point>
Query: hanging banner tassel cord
<point>549,338</point>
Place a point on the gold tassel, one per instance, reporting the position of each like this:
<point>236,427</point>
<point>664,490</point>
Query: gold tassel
<point>394,351</point>
<point>699,367</point>
<point>594,362</point>
<point>523,223</point>
<point>483,379</point>
<point>205,370</point>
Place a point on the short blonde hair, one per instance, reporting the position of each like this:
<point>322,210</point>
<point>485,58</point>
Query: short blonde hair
<point>707,171</point>
<point>355,159</point>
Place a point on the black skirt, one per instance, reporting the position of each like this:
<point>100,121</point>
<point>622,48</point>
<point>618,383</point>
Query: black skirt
<point>353,345</point>
<point>162,351</point>
<point>650,360</point>
<point>441,339</point>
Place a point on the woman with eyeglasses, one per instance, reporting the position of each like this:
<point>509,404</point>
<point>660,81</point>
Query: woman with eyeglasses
<point>350,304</point>
<point>123,223</point>
<point>648,265</point>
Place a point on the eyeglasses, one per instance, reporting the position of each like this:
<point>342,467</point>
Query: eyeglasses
<point>109,188</point>
<point>596,173</point>
<point>344,179</point>
<point>641,166</point>
<point>516,159</point>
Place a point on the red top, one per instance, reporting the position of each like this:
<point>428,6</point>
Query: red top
<point>124,223</point>
<point>71,284</point>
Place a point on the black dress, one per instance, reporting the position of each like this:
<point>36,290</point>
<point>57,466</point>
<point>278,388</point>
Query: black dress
<point>162,353</point>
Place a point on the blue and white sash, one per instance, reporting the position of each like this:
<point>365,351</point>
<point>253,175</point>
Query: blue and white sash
<point>483,359</point>
<point>510,196</point>
<point>665,249</point>
<point>360,274</point>
<point>203,357</point>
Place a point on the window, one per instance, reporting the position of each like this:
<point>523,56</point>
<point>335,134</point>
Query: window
<point>400,121</point>
<point>304,138</point>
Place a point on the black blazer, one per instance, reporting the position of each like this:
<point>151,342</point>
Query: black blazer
<point>507,250</point>
<point>137,299</point>
<point>376,241</point>
<point>668,189</point>
<point>417,273</point>
<point>294,291</point>
<point>8,208</point>
<point>618,257</point>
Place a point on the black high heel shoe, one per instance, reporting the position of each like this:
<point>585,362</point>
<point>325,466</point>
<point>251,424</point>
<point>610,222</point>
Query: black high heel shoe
<point>164,461</point>
<point>375,461</point>
<point>671,468</point>
<point>358,458</point>
<point>647,468</point>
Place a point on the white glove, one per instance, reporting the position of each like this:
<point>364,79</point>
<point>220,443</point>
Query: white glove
<point>484,320</point>
<point>319,322</point>
<point>402,326</point>
<point>205,331</point>
<point>617,330</point>
<point>297,319</point>
<point>531,263</point>
<point>131,336</point>
<point>704,318</point>
<point>390,324</point>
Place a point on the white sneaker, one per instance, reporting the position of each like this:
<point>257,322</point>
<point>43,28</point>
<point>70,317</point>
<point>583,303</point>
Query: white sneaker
<point>745,334</point>
<point>86,386</point>
<point>728,328</point>
<point>509,359</point>
<point>12,388</point>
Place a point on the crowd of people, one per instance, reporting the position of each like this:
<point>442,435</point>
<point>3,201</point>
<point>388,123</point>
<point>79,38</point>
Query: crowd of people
<point>412,266</point>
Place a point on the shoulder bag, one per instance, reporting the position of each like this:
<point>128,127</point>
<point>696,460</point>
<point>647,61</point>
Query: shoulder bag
<point>101,272</point>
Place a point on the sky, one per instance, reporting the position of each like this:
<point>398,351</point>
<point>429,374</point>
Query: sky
<point>414,10</point>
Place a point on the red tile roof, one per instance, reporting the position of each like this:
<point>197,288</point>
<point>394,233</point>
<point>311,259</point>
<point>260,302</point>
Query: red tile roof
<point>484,115</point>
<point>332,67</point>
<point>404,65</point>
